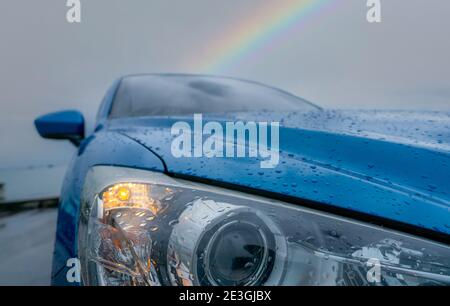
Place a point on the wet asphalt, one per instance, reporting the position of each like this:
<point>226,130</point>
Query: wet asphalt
<point>26,246</point>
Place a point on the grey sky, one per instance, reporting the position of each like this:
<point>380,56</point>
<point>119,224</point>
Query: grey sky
<point>337,60</point>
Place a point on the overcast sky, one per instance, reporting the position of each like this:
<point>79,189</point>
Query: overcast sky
<point>335,58</point>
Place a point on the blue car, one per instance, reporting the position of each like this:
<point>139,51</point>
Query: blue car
<point>192,180</point>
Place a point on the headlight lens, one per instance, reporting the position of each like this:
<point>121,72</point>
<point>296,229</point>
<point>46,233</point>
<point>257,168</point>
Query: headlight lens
<point>144,228</point>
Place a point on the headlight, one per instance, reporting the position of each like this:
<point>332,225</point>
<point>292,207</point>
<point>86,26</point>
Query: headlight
<point>145,228</point>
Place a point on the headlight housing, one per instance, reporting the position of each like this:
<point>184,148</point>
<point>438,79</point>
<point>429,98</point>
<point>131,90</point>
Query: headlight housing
<point>145,228</point>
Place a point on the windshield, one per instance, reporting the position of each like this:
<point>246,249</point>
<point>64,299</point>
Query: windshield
<point>165,95</point>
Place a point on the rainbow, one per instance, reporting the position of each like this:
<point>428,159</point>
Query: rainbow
<point>274,18</point>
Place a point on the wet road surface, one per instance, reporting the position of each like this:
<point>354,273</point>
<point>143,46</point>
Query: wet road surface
<point>26,246</point>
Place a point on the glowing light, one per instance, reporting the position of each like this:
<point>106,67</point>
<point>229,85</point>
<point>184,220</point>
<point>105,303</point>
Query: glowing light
<point>130,195</point>
<point>123,194</point>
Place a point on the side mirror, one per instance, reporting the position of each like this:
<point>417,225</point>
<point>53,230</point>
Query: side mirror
<point>62,125</point>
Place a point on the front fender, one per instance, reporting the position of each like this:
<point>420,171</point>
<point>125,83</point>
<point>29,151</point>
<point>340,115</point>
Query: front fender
<point>102,148</point>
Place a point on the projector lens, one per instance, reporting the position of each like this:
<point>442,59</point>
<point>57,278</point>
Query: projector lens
<point>238,252</point>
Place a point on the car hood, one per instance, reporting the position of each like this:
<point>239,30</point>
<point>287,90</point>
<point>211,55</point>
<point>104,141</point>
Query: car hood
<point>390,164</point>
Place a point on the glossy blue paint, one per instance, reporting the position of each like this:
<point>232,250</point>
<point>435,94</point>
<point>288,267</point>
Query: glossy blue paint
<point>395,165</point>
<point>395,181</point>
<point>61,125</point>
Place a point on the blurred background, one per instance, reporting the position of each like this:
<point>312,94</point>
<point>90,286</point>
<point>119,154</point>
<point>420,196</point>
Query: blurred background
<point>322,50</point>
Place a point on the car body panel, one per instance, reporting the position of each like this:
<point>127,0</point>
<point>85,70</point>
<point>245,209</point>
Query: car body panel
<point>397,181</point>
<point>392,165</point>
